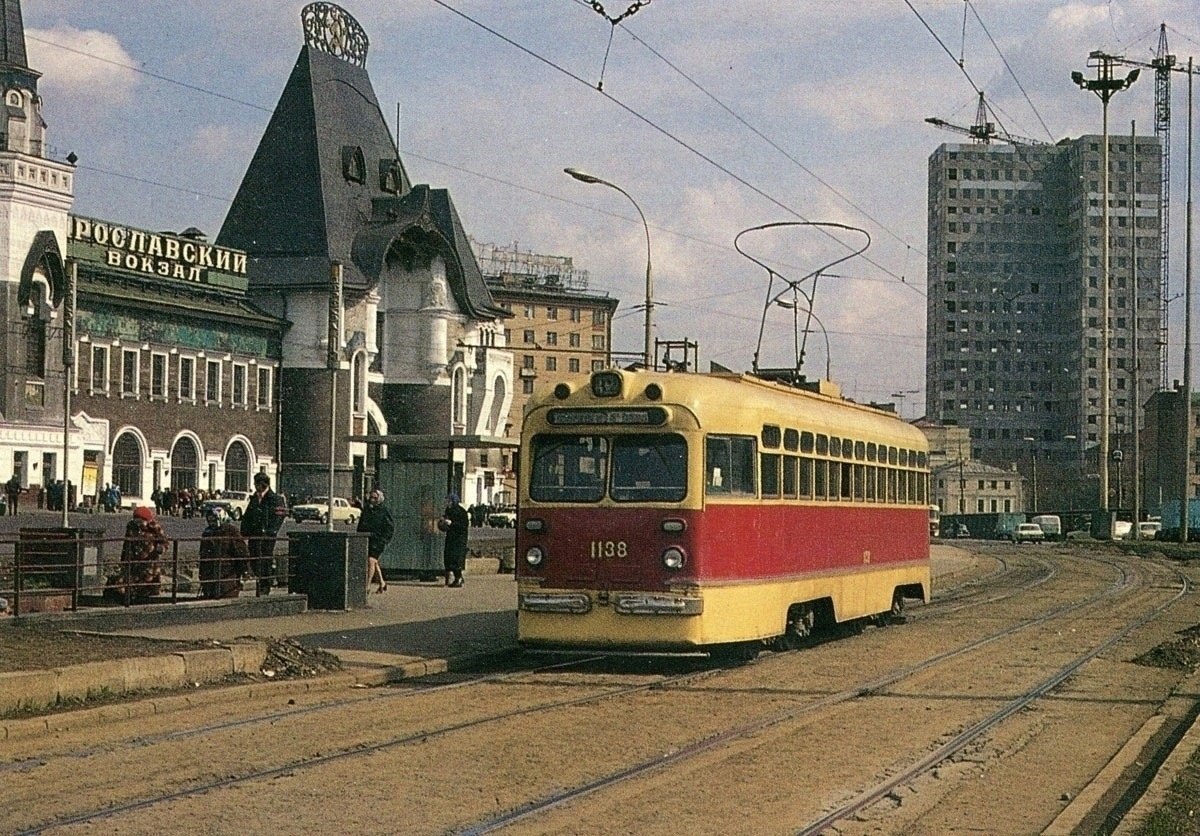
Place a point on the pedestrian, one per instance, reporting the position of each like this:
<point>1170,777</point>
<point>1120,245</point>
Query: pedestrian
<point>376,521</point>
<point>224,557</point>
<point>261,520</point>
<point>140,576</point>
<point>457,526</point>
<point>157,498</point>
<point>12,489</point>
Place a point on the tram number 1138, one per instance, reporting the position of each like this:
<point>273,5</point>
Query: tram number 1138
<point>608,549</point>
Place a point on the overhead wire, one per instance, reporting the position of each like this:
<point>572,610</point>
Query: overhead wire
<point>1008,67</point>
<point>659,129</point>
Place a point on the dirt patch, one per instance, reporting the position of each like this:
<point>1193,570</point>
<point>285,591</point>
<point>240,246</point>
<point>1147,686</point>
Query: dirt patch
<point>1178,654</point>
<point>28,649</point>
<point>288,659</point>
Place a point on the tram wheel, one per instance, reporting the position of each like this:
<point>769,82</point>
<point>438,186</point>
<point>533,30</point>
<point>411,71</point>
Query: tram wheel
<point>801,622</point>
<point>896,614</point>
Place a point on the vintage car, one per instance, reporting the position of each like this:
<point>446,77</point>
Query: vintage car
<point>231,503</point>
<point>317,510</point>
<point>503,517</point>
<point>1028,533</point>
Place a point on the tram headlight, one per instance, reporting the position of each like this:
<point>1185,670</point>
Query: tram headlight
<point>674,558</point>
<point>534,555</point>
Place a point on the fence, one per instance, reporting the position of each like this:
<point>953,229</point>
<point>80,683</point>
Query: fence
<point>56,569</point>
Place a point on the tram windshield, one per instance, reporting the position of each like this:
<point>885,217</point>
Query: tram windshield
<point>645,468</point>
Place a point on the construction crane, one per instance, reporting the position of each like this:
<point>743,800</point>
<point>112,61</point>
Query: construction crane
<point>1163,65</point>
<point>984,130</point>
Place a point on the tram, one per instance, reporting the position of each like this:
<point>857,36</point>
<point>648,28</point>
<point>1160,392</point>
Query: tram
<point>677,512</point>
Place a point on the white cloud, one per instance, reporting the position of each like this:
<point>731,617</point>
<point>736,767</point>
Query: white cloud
<point>83,65</point>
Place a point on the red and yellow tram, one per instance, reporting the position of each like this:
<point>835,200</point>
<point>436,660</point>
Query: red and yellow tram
<point>677,512</point>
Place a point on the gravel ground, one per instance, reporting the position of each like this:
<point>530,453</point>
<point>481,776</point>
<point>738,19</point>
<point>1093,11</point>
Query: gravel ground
<point>26,648</point>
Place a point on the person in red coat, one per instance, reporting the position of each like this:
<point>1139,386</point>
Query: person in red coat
<point>140,577</point>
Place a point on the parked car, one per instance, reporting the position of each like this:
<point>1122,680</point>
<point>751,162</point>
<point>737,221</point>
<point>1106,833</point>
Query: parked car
<point>318,511</point>
<point>1122,529</point>
<point>232,503</point>
<point>1028,533</point>
<point>1149,530</point>
<point>504,517</point>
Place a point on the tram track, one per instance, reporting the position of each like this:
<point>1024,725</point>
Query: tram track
<point>1122,583</point>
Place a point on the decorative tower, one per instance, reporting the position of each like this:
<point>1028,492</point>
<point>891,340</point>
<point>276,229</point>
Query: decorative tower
<point>36,195</point>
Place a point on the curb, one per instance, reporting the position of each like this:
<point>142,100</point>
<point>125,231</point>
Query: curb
<point>373,675</point>
<point>47,688</point>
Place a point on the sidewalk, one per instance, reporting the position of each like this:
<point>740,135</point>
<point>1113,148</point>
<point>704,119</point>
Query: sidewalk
<point>413,629</point>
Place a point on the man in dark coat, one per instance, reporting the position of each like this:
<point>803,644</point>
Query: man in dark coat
<point>12,488</point>
<point>261,520</point>
<point>223,557</point>
<point>457,526</point>
<point>376,521</point>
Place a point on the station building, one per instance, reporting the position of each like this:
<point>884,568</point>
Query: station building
<point>197,364</point>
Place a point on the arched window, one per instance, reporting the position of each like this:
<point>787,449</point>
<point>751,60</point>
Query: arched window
<point>237,468</point>
<point>35,347</point>
<point>127,465</point>
<point>185,464</point>
<point>498,392</point>
<point>458,401</point>
<point>358,383</point>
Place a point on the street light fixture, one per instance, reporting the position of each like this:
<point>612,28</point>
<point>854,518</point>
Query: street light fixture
<point>1033,458</point>
<point>1105,87</point>
<point>584,177</point>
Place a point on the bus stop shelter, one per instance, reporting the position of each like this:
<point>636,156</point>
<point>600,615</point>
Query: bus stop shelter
<point>417,473</point>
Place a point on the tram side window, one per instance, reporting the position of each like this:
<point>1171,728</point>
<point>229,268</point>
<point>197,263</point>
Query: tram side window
<point>860,471</point>
<point>769,464</point>
<point>649,468</point>
<point>729,464</point>
<point>568,468</point>
<point>789,474</point>
<point>872,475</point>
<point>806,478</point>
<point>846,479</point>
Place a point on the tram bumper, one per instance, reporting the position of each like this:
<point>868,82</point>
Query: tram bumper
<point>657,603</point>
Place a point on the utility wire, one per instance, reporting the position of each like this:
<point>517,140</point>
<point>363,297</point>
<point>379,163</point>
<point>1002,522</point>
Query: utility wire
<point>757,132</point>
<point>1008,67</point>
<point>661,130</point>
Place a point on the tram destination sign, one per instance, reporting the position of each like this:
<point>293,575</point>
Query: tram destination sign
<point>649,416</point>
<point>159,254</point>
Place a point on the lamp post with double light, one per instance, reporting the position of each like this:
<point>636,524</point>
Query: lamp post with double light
<point>647,350</point>
<point>1105,86</point>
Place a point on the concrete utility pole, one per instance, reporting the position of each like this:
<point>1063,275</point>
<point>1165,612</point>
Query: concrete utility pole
<point>1186,394</point>
<point>1105,87</point>
<point>1136,407</point>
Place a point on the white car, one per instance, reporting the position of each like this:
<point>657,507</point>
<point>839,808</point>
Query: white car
<point>318,511</point>
<point>1028,533</point>
<point>232,503</point>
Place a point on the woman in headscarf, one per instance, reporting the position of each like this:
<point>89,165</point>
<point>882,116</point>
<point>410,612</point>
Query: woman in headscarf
<point>145,544</point>
<point>224,557</point>
<point>457,526</point>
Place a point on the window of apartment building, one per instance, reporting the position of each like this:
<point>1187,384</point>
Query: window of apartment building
<point>99,368</point>
<point>527,386</point>
<point>129,372</point>
<point>573,340</point>
<point>551,364</point>
<point>551,338</point>
<point>573,365</point>
<point>263,396</point>
<point>599,317</point>
<point>187,378</point>
<point>212,382</point>
<point>576,315</point>
<point>158,376</point>
<point>238,392</point>
<point>529,312</point>
<point>527,361</point>
<point>598,341</point>
<point>597,365</point>
<point>551,312</point>
<point>527,336</point>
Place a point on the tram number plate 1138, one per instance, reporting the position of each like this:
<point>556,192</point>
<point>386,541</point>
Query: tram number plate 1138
<point>608,549</point>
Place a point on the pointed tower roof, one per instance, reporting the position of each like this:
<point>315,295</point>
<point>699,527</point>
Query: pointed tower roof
<point>327,171</point>
<point>13,61</point>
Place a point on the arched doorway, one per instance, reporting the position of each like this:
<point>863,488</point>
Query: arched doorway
<point>127,465</point>
<point>185,465</point>
<point>237,467</point>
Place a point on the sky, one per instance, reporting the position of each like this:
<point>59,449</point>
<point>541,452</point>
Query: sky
<point>713,117</point>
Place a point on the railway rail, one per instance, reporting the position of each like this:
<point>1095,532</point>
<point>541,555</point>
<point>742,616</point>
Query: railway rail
<point>1132,592</point>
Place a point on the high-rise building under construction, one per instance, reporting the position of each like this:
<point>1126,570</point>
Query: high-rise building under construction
<point>1015,325</point>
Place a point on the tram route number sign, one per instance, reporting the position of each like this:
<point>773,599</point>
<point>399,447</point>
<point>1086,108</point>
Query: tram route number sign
<point>608,550</point>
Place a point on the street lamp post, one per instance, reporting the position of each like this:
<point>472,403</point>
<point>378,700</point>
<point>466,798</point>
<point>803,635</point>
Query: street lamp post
<point>1033,458</point>
<point>583,177</point>
<point>1105,87</point>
